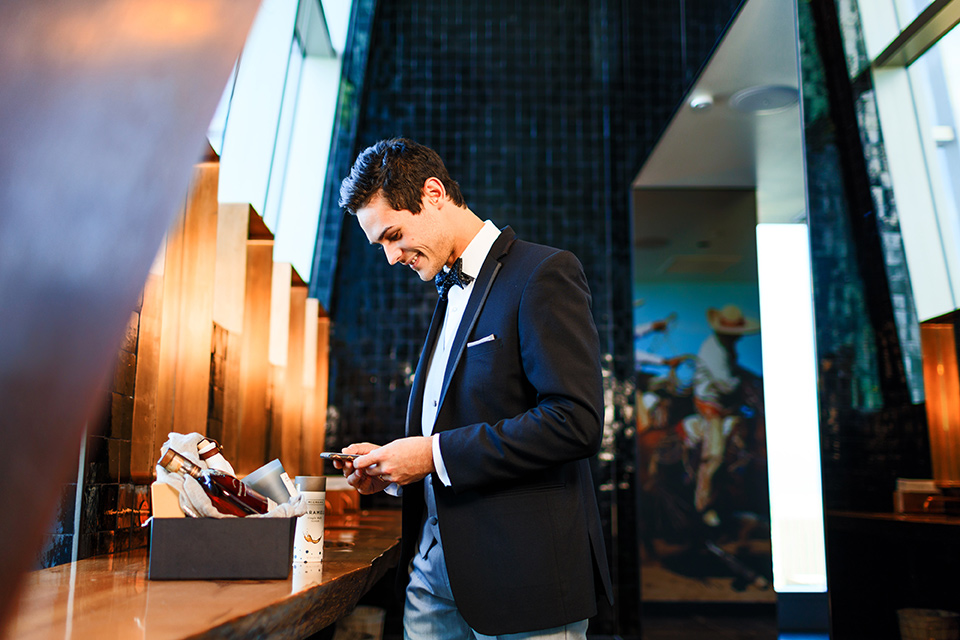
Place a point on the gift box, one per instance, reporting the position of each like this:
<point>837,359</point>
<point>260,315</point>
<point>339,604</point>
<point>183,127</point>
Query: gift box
<point>221,548</point>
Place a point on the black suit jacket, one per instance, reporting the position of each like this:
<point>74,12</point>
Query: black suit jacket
<point>518,418</point>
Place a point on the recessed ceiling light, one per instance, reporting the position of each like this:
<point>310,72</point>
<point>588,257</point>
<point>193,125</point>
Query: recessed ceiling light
<point>701,102</point>
<point>764,99</point>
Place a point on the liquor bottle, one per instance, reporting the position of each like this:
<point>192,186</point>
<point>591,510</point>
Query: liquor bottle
<point>227,493</point>
<point>210,452</point>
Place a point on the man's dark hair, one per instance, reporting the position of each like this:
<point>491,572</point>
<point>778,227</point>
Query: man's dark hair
<point>397,168</point>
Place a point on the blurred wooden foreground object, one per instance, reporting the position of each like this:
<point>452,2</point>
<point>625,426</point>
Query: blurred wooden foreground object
<point>105,102</point>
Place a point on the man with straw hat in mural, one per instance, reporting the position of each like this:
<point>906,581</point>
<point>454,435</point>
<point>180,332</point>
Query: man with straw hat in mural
<point>718,394</point>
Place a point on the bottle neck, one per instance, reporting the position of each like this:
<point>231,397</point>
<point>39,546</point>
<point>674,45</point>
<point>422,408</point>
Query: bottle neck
<point>208,449</point>
<point>173,462</point>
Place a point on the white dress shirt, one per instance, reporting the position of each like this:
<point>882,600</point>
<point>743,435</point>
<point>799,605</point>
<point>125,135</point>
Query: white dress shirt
<point>473,257</point>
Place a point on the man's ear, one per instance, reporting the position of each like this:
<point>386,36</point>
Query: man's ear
<point>434,193</point>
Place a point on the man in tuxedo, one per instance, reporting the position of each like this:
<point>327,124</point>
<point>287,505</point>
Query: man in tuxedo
<point>501,531</point>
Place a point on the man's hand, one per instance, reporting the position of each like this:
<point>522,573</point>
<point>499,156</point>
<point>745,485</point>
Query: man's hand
<point>358,478</point>
<point>402,461</point>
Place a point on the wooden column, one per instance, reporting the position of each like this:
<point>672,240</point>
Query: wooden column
<point>255,347</point>
<point>144,451</point>
<point>230,283</point>
<point>323,375</point>
<point>279,351</point>
<point>292,425</point>
<point>308,413</point>
<point>316,365</point>
<point>169,327</point>
<point>187,310</point>
<point>192,382</point>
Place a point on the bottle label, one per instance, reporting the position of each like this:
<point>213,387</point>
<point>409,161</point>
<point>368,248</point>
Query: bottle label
<point>308,543</point>
<point>291,488</point>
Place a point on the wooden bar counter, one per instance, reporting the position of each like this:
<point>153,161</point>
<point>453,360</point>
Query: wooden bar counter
<point>111,597</point>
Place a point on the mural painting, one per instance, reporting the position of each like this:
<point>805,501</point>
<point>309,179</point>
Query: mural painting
<point>705,515</point>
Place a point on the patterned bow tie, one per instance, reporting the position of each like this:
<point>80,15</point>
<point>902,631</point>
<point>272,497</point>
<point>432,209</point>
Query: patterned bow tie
<point>455,276</point>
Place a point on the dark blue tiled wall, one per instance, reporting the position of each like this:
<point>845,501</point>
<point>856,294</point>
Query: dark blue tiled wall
<point>872,432</point>
<point>873,429</point>
<point>544,112</point>
<point>58,542</point>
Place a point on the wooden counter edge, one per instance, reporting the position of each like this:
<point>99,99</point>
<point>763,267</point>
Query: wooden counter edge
<point>310,610</point>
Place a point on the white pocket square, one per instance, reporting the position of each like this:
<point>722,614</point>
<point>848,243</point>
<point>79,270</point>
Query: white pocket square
<point>481,341</point>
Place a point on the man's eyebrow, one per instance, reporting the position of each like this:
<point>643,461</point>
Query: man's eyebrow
<point>383,234</point>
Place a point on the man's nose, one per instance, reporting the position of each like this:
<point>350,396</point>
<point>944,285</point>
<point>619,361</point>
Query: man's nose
<point>393,254</point>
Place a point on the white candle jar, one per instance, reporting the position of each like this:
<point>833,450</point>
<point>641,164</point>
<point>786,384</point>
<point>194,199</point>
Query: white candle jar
<point>308,543</point>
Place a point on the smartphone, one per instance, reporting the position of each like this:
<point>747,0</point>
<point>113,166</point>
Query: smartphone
<point>333,455</point>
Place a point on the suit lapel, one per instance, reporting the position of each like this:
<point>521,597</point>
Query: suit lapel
<point>481,289</point>
<point>415,404</point>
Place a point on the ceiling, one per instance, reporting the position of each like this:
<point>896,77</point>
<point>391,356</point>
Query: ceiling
<point>695,235</point>
<point>694,197</point>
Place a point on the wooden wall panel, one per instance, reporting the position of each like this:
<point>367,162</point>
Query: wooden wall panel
<point>323,378</point>
<point>232,409</point>
<point>280,313</point>
<point>275,389</point>
<point>192,381</point>
<point>169,330</point>
<point>292,425</point>
<point>230,282</point>
<point>941,381</point>
<point>210,283</point>
<point>219,357</point>
<point>308,411</point>
<point>315,390</point>
<point>279,352</point>
<point>254,363</point>
<point>143,454</point>
<point>233,228</point>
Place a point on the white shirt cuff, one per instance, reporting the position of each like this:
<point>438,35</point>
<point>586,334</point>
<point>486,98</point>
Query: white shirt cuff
<point>438,461</point>
<point>393,489</point>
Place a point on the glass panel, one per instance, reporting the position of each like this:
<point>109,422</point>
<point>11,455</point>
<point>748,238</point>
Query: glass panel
<point>936,81</point>
<point>853,28</point>
<point>854,20</point>
<point>908,10</point>
<point>281,148</point>
<point>218,125</point>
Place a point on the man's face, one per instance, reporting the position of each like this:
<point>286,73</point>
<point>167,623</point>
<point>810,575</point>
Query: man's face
<point>419,240</point>
<point>728,340</point>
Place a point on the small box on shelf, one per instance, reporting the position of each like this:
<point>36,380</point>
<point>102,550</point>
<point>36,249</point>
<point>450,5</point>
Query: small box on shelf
<point>916,496</point>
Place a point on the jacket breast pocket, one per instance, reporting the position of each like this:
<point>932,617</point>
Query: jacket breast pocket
<point>486,346</point>
<point>527,490</point>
